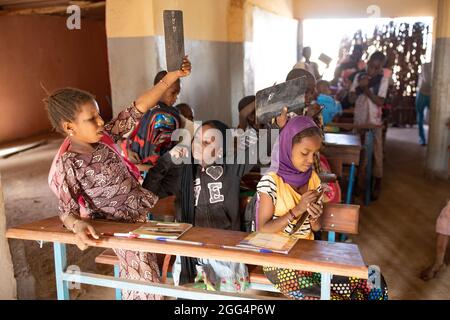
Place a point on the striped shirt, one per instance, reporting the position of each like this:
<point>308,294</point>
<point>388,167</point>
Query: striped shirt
<point>268,186</point>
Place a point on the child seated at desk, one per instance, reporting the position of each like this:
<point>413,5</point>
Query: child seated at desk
<point>288,191</point>
<point>313,109</point>
<point>332,108</point>
<point>208,196</point>
<point>171,177</point>
<point>92,180</point>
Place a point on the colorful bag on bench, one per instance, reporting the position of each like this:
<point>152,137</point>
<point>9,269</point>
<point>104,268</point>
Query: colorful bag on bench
<point>332,190</point>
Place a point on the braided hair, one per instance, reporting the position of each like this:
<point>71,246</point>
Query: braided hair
<point>64,104</point>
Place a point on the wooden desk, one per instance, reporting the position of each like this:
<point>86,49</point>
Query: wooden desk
<point>340,149</point>
<point>346,147</point>
<point>316,256</point>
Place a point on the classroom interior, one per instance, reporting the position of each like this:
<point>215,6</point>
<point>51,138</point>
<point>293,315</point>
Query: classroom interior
<point>237,47</point>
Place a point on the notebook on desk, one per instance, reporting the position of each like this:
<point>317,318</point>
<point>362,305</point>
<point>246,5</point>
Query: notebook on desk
<point>158,229</point>
<point>275,242</point>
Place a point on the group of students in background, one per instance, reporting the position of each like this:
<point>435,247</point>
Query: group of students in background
<point>364,87</point>
<point>94,179</point>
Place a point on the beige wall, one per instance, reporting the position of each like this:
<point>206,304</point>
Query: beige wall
<point>203,19</point>
<point>210,20</point>
<point>304,9</point>
<point>132,18</point>
<point>226,20</point>
<point>279,7</point>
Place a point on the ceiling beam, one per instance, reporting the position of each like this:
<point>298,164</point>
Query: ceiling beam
<point>56,9</point>
<point>28,4</point>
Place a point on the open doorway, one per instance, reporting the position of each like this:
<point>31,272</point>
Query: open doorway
<point>405,41</point>
<point>274,51</point>
<point>332,39</point>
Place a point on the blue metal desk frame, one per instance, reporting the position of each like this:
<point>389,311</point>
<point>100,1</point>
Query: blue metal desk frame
<point>63,277</point>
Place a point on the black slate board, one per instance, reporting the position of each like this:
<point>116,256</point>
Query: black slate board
<point>270,101</point>
<point>174,38</point>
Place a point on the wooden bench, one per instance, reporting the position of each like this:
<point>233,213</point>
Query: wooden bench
<point>341,218</point>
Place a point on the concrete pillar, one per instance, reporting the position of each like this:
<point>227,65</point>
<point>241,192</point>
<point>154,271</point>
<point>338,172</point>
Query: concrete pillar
<point>7,281</point>
<point>132,52</point>
<point>437,154</point>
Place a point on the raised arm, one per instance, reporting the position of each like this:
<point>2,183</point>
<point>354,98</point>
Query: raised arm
<point>151,97</point>
<point>127,119</point>
<point>244,114</point>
